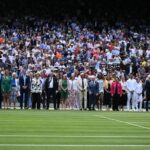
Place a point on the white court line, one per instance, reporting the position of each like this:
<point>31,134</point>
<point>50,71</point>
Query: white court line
<point>132,124</point>
<point>78,136</point>
<point>64,145</point>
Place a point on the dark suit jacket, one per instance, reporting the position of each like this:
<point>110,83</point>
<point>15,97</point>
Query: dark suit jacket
<point>55,84</point>
<point>0,82</point>
<point>93,88</point>
<point>27,83</point>
<point>147,89</point>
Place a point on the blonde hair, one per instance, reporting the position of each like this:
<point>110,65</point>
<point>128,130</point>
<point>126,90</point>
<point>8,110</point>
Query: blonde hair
<point>14,74</point>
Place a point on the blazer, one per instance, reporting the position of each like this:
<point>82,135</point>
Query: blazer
<point>79,84</point>
<point>113,88</point>
<point>1,76</point>
<point>26,83</point>
<point>131,85</point>
<point>147,89</point>
<point>55,83</point>
<point>36,86</point>
<point>93,87</point>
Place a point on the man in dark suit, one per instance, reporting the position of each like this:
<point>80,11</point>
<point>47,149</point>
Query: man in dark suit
<point>24,82</point>
<point>147,90</point>
<point>51,88</point>
<point>1,97</point>
<point>93,92</point>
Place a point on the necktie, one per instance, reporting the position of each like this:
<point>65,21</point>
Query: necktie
<point>24,80</point>
<point>72,86</point>
<point>82,84</point>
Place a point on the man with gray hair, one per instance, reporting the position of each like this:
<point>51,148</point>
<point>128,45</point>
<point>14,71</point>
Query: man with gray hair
<point>82,89</point>
<point>25,83</point>
<point>51,88</point>
<point>93,88</point>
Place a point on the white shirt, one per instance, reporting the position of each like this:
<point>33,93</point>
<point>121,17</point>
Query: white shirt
<point>24,78</point>
<point>140,52</point>
<point>73,85</point>
<point>101,86</point>
<point>131,85</point>
<point>80,84</point>
<point>139,88</point>
<point>133,52</point>
<point>109,55</point>
<point>51,82</point>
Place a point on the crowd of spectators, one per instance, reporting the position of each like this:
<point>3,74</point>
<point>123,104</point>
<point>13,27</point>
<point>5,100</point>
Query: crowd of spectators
<point>35,47</point>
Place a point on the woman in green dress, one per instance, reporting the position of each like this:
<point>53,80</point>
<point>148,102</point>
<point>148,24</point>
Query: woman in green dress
<point>6,88</point>
<point>64,91</point>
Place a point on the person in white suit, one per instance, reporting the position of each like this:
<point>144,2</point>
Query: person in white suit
<point>131,87</point>
<point>82,89</point>
<point>138,94</point>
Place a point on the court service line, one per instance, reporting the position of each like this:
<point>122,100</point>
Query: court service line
<point>76,136</point>
<point>132,124</point>
<point>64,145</point>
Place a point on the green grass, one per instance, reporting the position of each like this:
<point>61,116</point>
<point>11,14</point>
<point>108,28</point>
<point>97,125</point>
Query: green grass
<point>74,130</point>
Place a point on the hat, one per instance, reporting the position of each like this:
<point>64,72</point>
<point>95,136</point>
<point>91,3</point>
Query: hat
<point>37,73</point>
<point>81,73</point>
<point>55,69</point>
<point>106,50</point>
<point>92,76</point>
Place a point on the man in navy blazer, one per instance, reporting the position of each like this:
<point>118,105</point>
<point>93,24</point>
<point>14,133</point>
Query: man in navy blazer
<point>24,82</point>
<point>93,92</point>
<point>51,88</point>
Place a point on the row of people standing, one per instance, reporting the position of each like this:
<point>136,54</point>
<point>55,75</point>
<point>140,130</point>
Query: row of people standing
<point>79,92</point>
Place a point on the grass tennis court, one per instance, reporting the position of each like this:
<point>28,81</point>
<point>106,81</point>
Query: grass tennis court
<point>74,130</point>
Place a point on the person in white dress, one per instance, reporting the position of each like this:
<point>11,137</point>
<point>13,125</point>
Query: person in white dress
<point>73,87</point>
